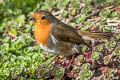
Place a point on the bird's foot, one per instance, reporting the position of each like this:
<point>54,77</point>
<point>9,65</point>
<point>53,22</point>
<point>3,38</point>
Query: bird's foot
<point>69,62</point>
<point>60,61</point>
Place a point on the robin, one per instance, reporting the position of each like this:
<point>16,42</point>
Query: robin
<point>59,38</point>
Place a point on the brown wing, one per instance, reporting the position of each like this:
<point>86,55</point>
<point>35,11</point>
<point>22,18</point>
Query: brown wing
<point>66,33</point>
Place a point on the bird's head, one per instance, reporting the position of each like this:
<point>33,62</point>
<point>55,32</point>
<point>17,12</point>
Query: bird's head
<point>43,17</point>
<point>43,21</point>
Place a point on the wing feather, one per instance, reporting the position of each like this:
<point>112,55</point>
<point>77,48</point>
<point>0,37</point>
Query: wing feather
<point>66,33</point>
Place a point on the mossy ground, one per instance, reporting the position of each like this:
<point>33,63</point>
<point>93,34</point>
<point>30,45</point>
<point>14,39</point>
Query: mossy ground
<point>21,58</point>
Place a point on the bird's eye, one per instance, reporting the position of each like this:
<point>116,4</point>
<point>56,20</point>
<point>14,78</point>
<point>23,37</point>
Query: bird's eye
<point>44,17</point>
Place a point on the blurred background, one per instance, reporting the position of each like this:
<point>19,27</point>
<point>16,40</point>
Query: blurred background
<point>22,59</point>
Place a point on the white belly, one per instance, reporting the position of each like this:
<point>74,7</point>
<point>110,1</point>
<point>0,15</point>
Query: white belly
<point>47,49</point>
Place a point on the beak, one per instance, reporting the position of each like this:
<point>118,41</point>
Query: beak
<point>32,19</point>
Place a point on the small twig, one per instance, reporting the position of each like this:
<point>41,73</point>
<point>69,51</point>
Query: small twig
<point>100,78</point>
<point>93,14</point>
<point>5,32</point>
<point>57,13</point>
<point>112,24</point>
<point>29,36</point>
<point>110,7</point>
<point>113,21</point>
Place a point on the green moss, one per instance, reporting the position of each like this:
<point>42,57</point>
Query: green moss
<point>72,24</point>
<point>19,55</point>
<point>95,56</point>
<point>85,75</point>
<point>105,13</point>
<point>109,75</point>
<point>80,58</point>
<point>116,52</point>
<point>59,72</point>
<point>65,14</point>
<point>73,12</point>
<point>114,14</point>
<point>86,66</point>
<point>88,2</point>
<point>118,37</point>
<point>62,5</point>
<point>81,19</point>
<point>99,48</point>
<point>5,48</point>
<point>109,28</point>
<point>86,10</point>
<point>111,45</point>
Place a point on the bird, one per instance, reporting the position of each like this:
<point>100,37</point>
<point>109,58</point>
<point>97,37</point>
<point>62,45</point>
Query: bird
<point>56,37</point>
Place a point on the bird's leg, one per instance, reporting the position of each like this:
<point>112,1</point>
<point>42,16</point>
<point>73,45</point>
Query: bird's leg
<point>69,64</point>
<point>93,44</point>
<point>57,62</point>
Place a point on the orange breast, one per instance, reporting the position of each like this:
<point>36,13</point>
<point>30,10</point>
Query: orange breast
<point>42,33</point>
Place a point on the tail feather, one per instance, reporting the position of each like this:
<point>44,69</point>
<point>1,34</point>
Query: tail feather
<point>105,35</point>
<point>95,35</point>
